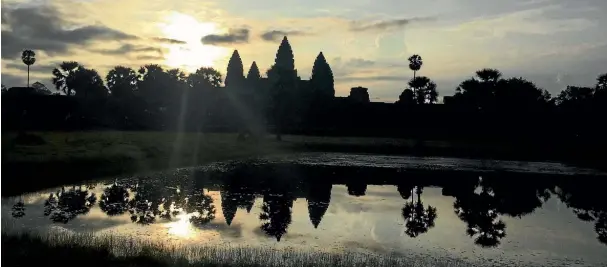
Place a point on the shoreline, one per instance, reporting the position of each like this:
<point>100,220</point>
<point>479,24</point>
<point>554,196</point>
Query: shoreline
<point>77,157</point>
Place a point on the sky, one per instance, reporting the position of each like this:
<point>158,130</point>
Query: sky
<point>553,43</point>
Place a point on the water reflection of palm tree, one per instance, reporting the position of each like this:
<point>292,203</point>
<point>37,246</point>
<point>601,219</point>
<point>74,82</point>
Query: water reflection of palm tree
<point>66,205</point>
<point>479,211</point>
<point>202,207</point>
<point>276,214</point>
<point>319,197</point>
<point>418,220</point>
<point>114,200</point>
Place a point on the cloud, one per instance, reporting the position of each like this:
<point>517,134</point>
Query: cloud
<point>234,36</point>
<point>276,35</point>
<point>168,40</point>
<point>348,78</point>
<point>357,26</point>
<point>10,80</point>
<point>360,63</point>
<point>45,69</point>
<point>127,49</point>
<point>149,57</point>
<point>44,28</point>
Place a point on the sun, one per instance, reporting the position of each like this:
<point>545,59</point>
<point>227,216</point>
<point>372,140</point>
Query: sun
<point>193,54</point>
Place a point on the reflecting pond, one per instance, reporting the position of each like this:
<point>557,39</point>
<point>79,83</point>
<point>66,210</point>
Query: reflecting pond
<point>498,212</point>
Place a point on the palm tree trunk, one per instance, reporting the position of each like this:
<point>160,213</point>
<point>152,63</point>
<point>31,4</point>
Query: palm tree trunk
<point>414,89</point>
<point>28,75</point>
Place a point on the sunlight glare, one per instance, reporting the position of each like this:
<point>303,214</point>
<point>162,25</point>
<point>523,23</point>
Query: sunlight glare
<point>193,54</point>
<point>182,227</point>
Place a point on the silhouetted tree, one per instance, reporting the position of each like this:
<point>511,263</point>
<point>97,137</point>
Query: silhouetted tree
<point>601,82</point>
<point>235,73</point>
<point>417,218</point>
<point>516,198</point>
<point>88,84</point>
<point>4,89</point>
<point>144,207</point>
<point>29,58</point>
<point>518,93</point>
<point>64,76</point>
<point>600,94</point>
<point>486,75</point>
<point>173,203</point>
<point>424,90</point>
<point>205,78</point>
<point>478,93</point>
<point>583,201</point>
<point>576,98</point>
<point>65,205</point>
<point>202,207</point>
<point>114,200</point>
<point>415,64</point>
<point>122,81</point>
<point>322,78</point>
<point>406,98</point>
<point>276,213</point>
<point>479,211</point>
<point>18,209</point>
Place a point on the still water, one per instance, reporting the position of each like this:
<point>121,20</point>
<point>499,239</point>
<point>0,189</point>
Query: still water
<point>488,212</point>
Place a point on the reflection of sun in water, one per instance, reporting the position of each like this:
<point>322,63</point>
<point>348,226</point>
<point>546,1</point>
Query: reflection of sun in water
<point>182,227</point>
<point>193,54</point>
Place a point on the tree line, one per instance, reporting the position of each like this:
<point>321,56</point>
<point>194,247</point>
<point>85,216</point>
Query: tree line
<point>155,98</point>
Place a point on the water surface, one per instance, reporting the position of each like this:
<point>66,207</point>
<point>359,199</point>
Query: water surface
<point>481,212</point>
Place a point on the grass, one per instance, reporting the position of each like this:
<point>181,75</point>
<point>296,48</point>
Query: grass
<point>66,249</point>
<point>77,156</point>
<point>71,157</point>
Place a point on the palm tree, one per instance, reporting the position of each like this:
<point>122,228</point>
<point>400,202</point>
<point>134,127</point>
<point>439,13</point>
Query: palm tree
<point>489,75</point>
<point>424,90</point>
<point>415,63</point>
<point>29,58</point>
<point>64,76</point>
<point>122,81</point>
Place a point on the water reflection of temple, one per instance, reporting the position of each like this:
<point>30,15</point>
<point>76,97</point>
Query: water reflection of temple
<point>481,200</point>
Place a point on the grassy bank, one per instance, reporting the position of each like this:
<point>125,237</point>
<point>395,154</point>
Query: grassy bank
<point>67,250</point>
<point>78,156</point>
<point>69,157</point>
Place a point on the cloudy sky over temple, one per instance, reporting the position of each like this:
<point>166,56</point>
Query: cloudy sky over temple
<point>551,42</point>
